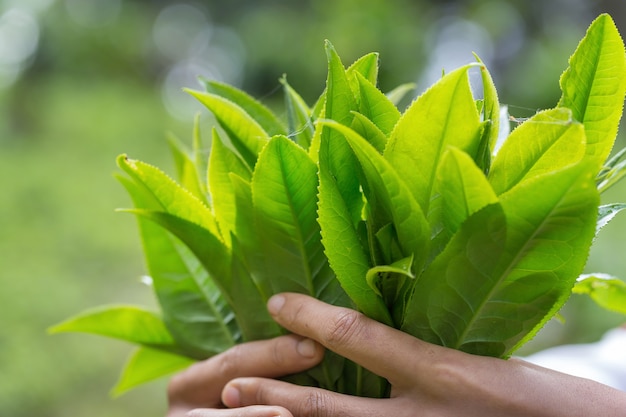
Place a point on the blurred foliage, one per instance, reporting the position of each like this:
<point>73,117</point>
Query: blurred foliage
<point>99,83</point>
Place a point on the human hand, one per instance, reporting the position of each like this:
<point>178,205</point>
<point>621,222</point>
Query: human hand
<point>201,385</point>
<point>427,380</point>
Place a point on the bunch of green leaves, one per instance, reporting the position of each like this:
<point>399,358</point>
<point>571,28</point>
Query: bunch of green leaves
<point>428,220</point>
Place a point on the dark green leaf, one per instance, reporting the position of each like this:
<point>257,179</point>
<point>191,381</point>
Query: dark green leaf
<point>502,277</point>
<point>193,308</point>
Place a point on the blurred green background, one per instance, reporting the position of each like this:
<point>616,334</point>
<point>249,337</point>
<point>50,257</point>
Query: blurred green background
<point>82,81</point>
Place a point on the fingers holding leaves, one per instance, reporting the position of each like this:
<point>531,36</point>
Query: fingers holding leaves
<point>385,351</point>
<point>202,383</point>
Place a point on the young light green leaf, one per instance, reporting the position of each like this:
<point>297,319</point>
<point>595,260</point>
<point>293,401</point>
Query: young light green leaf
<point>548,141</point>
<point>594,86</point>
<point>223,163</point>
<point>463,187</point>
<point>366,128</point>
<point>367,67</point>
<point>376,275</point>
<point>130,323</point>
<point>339,105</point>
<point>343,246</point>
<point>389,198</point>
<point>258,111</point>
<point>607,291</point>
<point>246,135</point>
<point>298,116</point>
<point>200,152</point>
<point>187,169</point>
<point>170,196</point>
<point>491,111</point>
<point>376,106</point>
<point>340,101</point>
<point>444,115</point>
<point>145,365</point>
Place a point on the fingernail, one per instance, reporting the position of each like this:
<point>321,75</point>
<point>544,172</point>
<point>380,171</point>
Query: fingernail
<point>306,348</point>
<point>230,396</point>
<point>275,303</point>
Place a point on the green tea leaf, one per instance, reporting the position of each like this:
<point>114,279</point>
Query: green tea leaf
<point>170,196</point>
<point>187,169</point>
<point>607,291</point>
<point>146,365</point>
<point>224,163</point>
<point>491,109</point>
<point>259,112</point>
<point>366,128</point>
<point>463,187</point>
<point>389,198</point>
<point>445,115</point>
<point>551,224</point>
<point>594,85</point>
<point>548,141</point>
<point>298,116</point>
<point>366,67</point>
<point>193,308</point>
<point>502,277</point>
<point>612,172</point>
<point>343,246</point>
<point>284,191</point>
<point>235,285</point>
<point>246,135</point>
<point>454,288</point>
<point>606,213</point>
<point>340,101</point>
<point>339,105</point>
<point>377,275</point>
<point>130,323</point>
<point>376,106</point>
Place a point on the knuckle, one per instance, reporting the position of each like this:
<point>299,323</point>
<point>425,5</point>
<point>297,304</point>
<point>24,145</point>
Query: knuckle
<point>316,403</point>
<point>230,361</point>
<point>278,350</point>
<point>347,327</point>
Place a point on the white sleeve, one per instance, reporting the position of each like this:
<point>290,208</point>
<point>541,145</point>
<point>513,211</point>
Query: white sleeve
<point>603,361</point>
